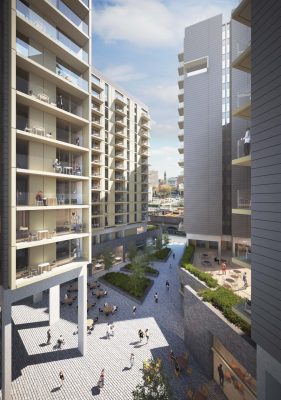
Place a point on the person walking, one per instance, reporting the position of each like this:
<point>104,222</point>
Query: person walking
<point>134,310</point>
<point>221,375</point>
<point>108,331</point>
<point>49,336</point>
<point>132,360</point>
<point>61,378</point>
<point>170,267</point>
<point>101,379</point>
<point>167,285</point>
<point>140,334</point>
<point>112,330</point>
<point>60,341</point>
<point>174,256</point>
<point>147,335</point>
<point>156,297</point>
<point>245,280</point>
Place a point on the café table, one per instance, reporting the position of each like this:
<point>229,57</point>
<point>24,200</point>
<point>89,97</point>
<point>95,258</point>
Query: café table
<point>108,309</point>
<point>90,322</point>
<point>230,280</point>
<point>93,285</point>
<point>67,170</point>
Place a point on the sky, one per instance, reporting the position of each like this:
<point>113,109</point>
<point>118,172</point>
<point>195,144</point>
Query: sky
<point>135,44</point>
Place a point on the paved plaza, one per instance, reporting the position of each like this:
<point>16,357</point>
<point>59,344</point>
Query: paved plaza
<point>36,366</point>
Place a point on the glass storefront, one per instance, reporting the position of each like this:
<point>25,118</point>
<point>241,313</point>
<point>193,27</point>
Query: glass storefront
<point>236,382</point>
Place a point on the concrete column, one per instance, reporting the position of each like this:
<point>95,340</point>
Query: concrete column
<point>6,349</point>
<point>82,311</point>
<point>54,304</point>
<point>219,248</point>
<point>37,297</point>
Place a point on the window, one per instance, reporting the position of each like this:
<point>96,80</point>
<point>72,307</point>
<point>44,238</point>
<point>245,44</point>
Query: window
<point>195,67</point>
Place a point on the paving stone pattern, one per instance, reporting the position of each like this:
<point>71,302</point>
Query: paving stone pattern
<point>36,366</point>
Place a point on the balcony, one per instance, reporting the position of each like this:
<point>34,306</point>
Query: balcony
<point>31,58</point>
<point>243,156</point>
<point>120,188</point>
<point>120,99</point>
<point>243,61</point>
<point>119,143</point>
<point>96,223</point>
<point>120,122</point>
<point>119,177</point>
<point>96,110</point>
<point>145,116</point>
<point>97,96</point>
<point>120,199</point>
<point>120,210</point>
<point>181,122</point>
<point>96,122</point>
<point>181,162</point>
<point>242,203</point>
<point>181,136</point>
<point>243,13</point>
<point>96,198</point>
<point>119,220</point>
<point>120,133</point>
<point>97,161</point>
<point>120,111</point>
<point>120,155</point>
<point>32,23</point>
<point>181,95</point>
<point>181,82</point>
<point>96,187</point>
<point>181,68</point>
<point>181,150</point>
<point>119,166</point>
<point>39,201</point>
<point>181,57</point>
<point>96,148</point>
<point>242,255</point>
<point>243,105</point>
<point>144,134</point>
<point>96,210</point>
<point>97,135</point>
<point>96,83</point>
<point>181,109</point>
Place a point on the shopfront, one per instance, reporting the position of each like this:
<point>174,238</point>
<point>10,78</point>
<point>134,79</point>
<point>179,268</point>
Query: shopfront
<point>236,382</point>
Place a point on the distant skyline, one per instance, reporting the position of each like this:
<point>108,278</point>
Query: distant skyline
<point>136,45</point>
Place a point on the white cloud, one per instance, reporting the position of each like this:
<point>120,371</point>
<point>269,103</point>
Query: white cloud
<point>161,130</point>
<point>165,159</point>
<point>164,93</point>
<point>123,73</point>
<point>151,23</point>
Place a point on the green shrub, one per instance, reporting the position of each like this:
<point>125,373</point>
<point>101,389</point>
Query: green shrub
<point>224,299</point>
<point>126,283</point>
<point>203,276</point>
<point>147,269</point>
<point>152,227</point>
<point>161,254</point>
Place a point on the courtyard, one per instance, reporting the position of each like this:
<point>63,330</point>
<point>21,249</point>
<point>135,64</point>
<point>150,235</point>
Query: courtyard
<point>36,366</point>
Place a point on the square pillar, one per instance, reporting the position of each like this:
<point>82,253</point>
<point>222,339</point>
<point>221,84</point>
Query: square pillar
<point>54,304</point>
<point>219,248</point>
<point>37,297</point>
<point>82,311</point>
<point>6,349</point>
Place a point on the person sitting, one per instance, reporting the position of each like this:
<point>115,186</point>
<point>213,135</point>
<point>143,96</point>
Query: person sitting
<point>114,309</point>
<point>100,309</point>
<point>77,169</point>
<point>57,166</point>
<point>40,198</point>
<point>105,293</point>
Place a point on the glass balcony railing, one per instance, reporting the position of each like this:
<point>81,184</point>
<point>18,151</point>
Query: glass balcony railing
<point>242,148</point>
<point>243,98</point>
<point>49,30</point>
<point>243,253</point>
<point>243,200</point>
<point>68,13</point>
<point>48,199</point>
<point>240,47</point>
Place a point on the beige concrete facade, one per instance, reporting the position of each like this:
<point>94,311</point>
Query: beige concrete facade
<point>120,151</point>
<point>50,141</point>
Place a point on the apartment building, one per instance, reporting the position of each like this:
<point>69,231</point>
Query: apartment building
<point>46,158</point>
<point>204,125</point>
<point>261,59</point>
<point>119,167</point>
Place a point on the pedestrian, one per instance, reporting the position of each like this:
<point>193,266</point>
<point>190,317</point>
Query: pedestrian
<point>140,334</point>
<point>108,331</point>
<point>132,360</point>
<point>174,256</point>
<point>101,379</point>
<point>112,330</point>
<point>134,310</point>
<point>245,280</point>
<point>221,375</point>
<point>170,267</point>
<point>147,335</point>
<point>167,284</point>
<point>48,336</point>
<point>61,378</point>
<point>60,341</point>
<point>223,268</point>
<point>156,297</point>
<point>177,367</point>
<point>65,296</point>
<point>172,355</point>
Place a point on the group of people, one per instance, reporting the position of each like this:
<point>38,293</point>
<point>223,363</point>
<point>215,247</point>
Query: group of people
<point>57,165</point>
<point>142,334</point>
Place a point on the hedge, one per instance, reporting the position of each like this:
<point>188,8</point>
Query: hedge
<point>161,254</point>
<point>125,282</point>
<point>224,299</point>
<point>203,276</point>
<point>147,269</point>
<point>152,227</point>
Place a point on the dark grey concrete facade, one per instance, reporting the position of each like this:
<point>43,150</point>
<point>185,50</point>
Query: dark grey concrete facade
<point>203,130</point>
<point>266,190</point>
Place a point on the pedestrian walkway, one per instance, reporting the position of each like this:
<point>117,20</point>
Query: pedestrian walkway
<point>36,367</point>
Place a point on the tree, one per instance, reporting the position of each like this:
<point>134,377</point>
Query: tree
<point>154,385</point>
<point>158,243</point>
<point>138,265</point>
<point>166,240</point>
<point>164,191</point>
<point>107,259</point>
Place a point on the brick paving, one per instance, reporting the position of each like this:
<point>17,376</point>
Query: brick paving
<point>36,367</point>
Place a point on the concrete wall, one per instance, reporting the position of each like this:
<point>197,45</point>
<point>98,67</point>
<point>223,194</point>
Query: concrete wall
<point>186,278</point>
<point>203,130</point>
<point>201,322</point>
